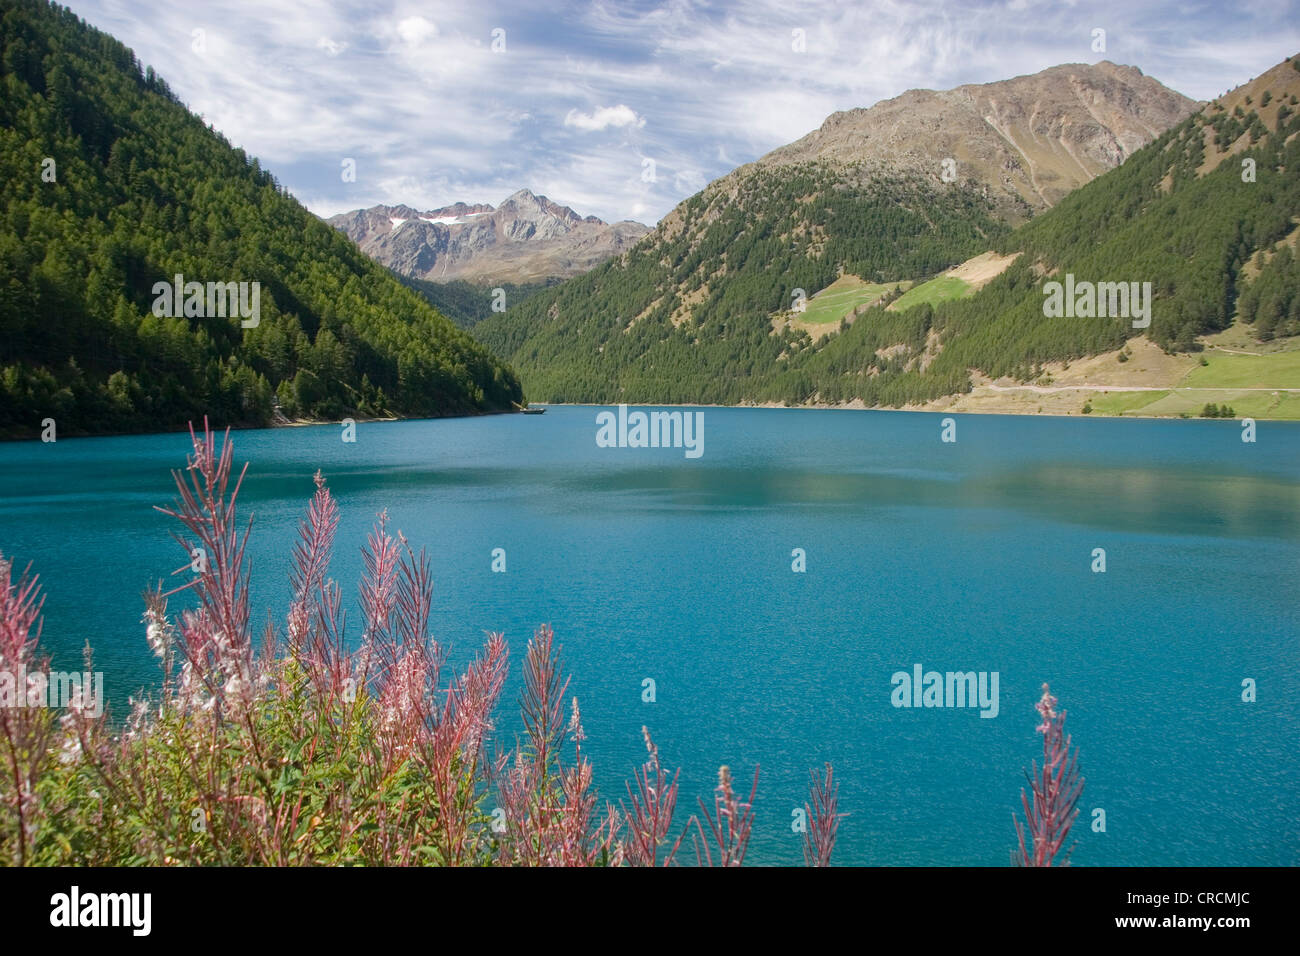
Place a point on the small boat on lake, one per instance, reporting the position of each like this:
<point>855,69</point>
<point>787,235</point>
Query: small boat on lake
<point>530,410</point>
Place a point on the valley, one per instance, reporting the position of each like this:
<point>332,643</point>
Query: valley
<point>516,611</point>
<point>923,293</point>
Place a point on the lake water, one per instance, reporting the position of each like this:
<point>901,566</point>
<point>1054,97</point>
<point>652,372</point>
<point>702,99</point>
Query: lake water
<point>966,556</point>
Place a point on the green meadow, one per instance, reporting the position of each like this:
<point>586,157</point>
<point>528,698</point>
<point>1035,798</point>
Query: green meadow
<point>1229,369</point>
<point>843,296</point>
<point>938,289</point>
<point>1120,403</point>
<point>849,292</point>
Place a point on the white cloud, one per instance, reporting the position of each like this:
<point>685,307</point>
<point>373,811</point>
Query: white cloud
<point>411,89</point>
<point>415,30</point>
<point>603,118</point>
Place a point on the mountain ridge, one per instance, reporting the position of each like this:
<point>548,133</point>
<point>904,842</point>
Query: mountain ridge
<point>1127,109</point>
<point>526,239</point>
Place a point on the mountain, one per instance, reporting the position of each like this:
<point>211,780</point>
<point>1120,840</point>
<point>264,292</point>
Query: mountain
<point>1030,140</point>
<point>111,189</point>
<point>526,240</point>
<point>706,308</point>
<point>1207,214</point>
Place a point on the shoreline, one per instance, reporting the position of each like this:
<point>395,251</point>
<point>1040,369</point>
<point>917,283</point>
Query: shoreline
<point>1138,368</point>
<point>284,423</point>
<point>849,407</point>
<point>856,406</point>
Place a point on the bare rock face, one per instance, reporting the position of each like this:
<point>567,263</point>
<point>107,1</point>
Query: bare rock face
<point>1030,139</point>
<point>526,239</point>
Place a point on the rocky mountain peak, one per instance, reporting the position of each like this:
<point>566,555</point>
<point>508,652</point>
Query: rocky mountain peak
<point>527,238</point>
<point>1030,139</point>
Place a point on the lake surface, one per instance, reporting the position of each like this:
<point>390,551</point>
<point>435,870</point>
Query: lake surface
<point>966,556</point>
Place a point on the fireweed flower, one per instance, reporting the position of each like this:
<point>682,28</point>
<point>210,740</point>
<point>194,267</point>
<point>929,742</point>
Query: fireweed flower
<point>20,615</point>
<point>1056,787</point>
<point>157,632</point>
<point>575,724</point>
<point>823,819</point>
<point>730,823</point>
<point>1046,708</point>
<point>137,722</point>
<point>70,753</point>
<point>650,814</point>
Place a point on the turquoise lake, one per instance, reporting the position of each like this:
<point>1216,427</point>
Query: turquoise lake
<point>968,556</point>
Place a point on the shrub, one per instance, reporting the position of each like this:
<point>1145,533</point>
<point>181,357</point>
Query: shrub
<point>1212,410</point>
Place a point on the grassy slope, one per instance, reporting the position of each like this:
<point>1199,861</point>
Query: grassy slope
<point>1260,386</point>
<point>1229,369</point>
<point>840,298</point>
<point>939,289</point>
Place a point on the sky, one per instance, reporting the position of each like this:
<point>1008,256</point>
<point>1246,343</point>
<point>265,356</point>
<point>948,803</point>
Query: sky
<point>620,110</point>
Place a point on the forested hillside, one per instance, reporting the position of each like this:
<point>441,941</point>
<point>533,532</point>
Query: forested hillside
<point>468,303</point>
<point>684,315</point>
<point>1188,213</point>
<point>109,186</point>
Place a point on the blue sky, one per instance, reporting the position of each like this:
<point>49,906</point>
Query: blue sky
<point>584,93</point>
